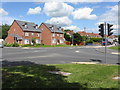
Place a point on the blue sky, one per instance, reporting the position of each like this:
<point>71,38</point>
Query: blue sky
<point>74,16</point>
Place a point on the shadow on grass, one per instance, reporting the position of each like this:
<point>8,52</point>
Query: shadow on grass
<point>25,74</point>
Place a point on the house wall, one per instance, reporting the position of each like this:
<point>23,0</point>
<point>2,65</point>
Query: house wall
<point>30,36</point>
<point>14,29</point>
<point>45,35</point>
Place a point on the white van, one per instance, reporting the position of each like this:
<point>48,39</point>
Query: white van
<point>1,43</point>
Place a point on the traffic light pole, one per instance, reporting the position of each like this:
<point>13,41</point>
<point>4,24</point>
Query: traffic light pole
<point>105,44</point>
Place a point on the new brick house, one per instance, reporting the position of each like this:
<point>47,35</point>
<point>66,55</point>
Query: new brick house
<point>51,34</point>
<point>23,32</point>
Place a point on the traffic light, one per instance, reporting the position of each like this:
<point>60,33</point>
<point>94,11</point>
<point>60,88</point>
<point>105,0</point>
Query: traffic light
<point>110,29</point>
<point>101,29</point>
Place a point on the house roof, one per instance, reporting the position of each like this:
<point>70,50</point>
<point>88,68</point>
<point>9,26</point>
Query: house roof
<point>56,28</point>
<point>89,34</point>
<point>30,26</point>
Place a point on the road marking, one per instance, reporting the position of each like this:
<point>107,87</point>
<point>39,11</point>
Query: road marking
<point>84,62</point>
<point>77,51</point>
<point>115,53</point>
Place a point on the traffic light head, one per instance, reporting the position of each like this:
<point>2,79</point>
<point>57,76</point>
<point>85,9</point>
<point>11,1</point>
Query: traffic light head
<point>110,29</point>
<point>101,30</point>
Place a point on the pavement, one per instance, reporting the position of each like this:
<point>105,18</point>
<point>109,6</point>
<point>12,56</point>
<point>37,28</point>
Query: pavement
<point>110,51</point>
<point>58,55</point>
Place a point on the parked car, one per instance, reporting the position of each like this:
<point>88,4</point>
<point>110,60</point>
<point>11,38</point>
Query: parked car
<point>1,43</point>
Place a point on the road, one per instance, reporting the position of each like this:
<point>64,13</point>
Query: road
<point>58,55</point>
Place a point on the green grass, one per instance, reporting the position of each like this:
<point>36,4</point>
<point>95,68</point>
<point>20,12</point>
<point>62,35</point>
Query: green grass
<point>37,46</point>
<point>115,47</point>
<point>83,76</point>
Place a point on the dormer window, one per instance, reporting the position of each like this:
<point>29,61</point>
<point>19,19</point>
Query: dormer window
<point>52,27</point>
<point>25,25</point>
<point>35,26</point>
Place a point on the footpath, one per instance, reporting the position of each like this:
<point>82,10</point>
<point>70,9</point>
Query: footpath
<point>109,51</point>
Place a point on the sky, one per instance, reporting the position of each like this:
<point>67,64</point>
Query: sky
<point>69,15</point>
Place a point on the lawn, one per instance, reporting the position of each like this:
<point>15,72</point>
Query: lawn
<point>37,76</point>
<point>115,47</point>
<point>37,46</point>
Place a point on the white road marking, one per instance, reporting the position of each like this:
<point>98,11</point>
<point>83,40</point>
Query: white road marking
<point>115,53</point>
<point>77,51</point>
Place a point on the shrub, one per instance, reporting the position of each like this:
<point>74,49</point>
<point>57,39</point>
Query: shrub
<point>96,39</point>
<point>15,45</point>
<point>27,45</point>
<point>89,41</point>
<point>11,45</point>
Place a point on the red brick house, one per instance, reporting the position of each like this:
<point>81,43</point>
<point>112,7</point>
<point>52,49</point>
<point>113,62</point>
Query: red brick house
<point>89,34</point>
<point>22,32</point>
<point>51,34</point>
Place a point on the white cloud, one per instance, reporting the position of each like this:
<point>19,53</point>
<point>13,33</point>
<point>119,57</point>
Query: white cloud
<point>111,15</point>
<point>84,13</point>
<point>3,12</point>
<point>34,10</point>
<point>57,9</point>
<point>75,28</point>
<point>6,20</point>
<point>62,21</point>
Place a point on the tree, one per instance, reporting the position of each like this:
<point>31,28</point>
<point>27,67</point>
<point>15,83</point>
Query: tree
<point>119,39</point>
<point>77,38</point>
<point>5,29</point>
<point>67,37</point>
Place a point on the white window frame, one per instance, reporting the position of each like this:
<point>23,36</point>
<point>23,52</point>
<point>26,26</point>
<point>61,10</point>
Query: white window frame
<point>54,41</point>
<point>61,41</point>
<point>61,35</point>
<point>26,41</point>
<point>37,41</point>
<point>26,34</point>
<point>32,33</point>
<point>53,34</point>
<point>57,34</point>
<point>38,34</point>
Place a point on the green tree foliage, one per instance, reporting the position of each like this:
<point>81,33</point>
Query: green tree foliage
<point>96,39</point>
<point>67,37</point>
<point>119,39</point>
<point>77,38</point>
<point>5,29</point>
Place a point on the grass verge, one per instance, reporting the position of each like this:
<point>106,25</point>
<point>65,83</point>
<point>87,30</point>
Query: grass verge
<point>115,47</point>
<point>83,76</point>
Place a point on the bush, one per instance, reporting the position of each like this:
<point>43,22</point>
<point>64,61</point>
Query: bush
<point>11,45</point>
<point>15,45</point>
<point>89,41</point>
<point>27,45</point>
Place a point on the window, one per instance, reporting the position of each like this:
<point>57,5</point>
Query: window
<point>38,41</point>
<point>42,29</point>
<point>32,34</point>
<point>57,34</point>
<point>61,41</point>
<point>54,40</point>
<point>53,35</point>
<point>38,34</point>
<point>14,29</point>
<point>26,41</point>
<point>26,34</point>
<point>61,35</point>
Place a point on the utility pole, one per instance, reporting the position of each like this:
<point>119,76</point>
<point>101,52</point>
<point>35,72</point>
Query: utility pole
<point>84,38</point>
